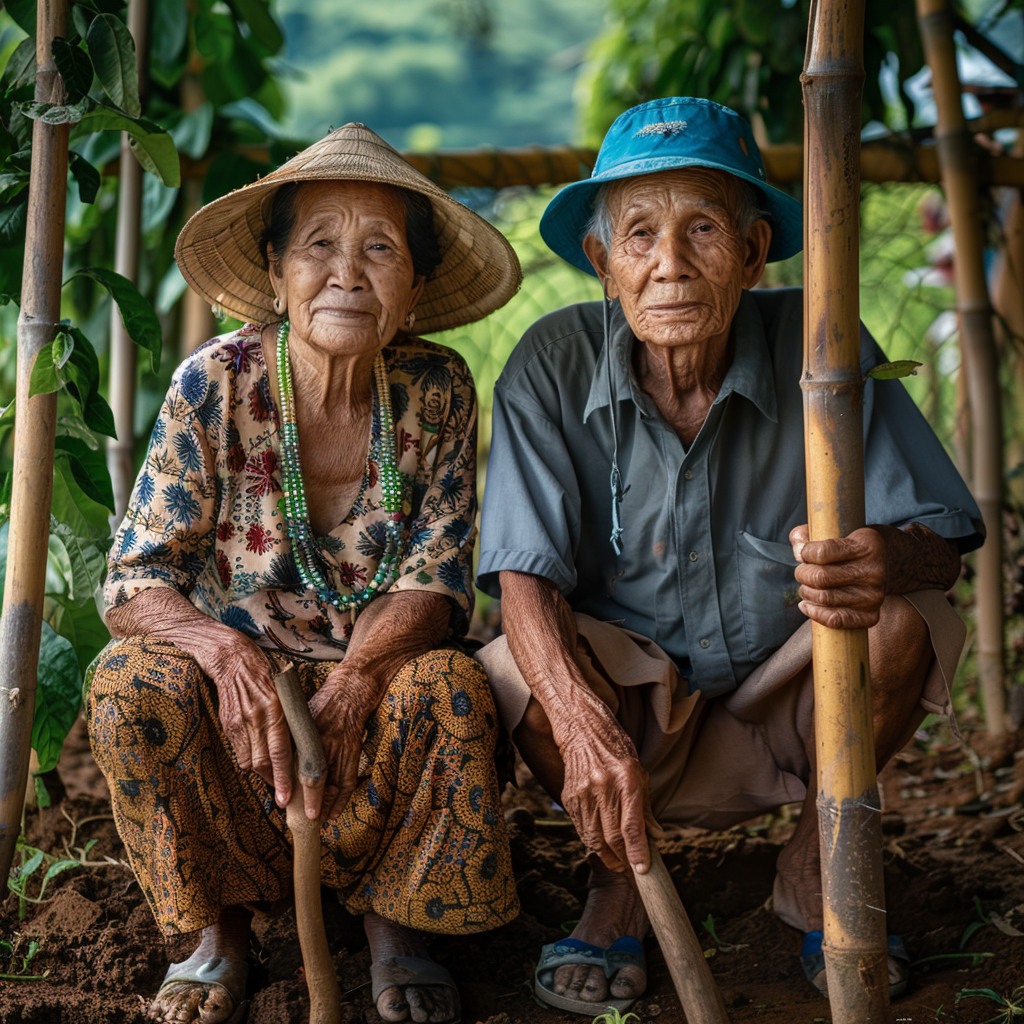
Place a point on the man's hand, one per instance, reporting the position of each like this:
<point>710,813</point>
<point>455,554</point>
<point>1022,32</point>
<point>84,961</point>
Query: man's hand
<point>842,581</point>
<point>605,789</point>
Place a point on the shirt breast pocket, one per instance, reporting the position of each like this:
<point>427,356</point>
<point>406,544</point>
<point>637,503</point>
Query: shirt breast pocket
<point>768,594</point>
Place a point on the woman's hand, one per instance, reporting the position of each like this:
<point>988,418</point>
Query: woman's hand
<point>249,710</point>
<point>340,709</point>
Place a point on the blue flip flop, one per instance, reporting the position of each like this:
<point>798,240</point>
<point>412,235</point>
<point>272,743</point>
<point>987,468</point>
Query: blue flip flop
<point>621,953</point>
<point>812,959</point>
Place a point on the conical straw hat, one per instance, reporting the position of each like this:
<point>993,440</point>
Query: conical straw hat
<point>218,250</point>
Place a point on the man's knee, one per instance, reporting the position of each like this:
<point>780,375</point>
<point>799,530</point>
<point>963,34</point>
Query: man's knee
<point>901,647</point>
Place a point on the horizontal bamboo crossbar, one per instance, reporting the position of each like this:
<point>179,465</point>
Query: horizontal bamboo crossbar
<point>885,160</point>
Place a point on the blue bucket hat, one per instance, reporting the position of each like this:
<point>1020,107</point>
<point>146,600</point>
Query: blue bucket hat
<point>662,135</point>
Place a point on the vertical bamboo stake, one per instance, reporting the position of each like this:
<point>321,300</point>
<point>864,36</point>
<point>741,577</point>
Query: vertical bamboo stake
<point>849,821</point>
<point>34,429</point>
<point>197,323</point>
<point>121,449</point>
<point>958,163</point>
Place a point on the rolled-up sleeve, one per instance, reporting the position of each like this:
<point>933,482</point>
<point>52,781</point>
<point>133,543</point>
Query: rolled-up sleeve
<point>531,510</point>
<point>909,478</point>
<point>167,533</point>
<point>439,558</point>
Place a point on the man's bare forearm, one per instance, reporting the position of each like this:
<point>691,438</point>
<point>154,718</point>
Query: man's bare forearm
<point>541,633</point>
<point>917,558</point>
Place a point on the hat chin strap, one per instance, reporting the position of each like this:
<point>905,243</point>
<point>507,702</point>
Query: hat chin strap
<point>616,477</point>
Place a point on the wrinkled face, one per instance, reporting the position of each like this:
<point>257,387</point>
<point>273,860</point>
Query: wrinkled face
<point>678,260</point>
<point>346,278</point>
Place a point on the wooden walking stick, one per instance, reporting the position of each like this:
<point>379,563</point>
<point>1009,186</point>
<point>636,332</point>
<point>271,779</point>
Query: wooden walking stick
<point>959,165</point>
<point>849,818</point>
<point>324,995</point>
<point>698,994</point>
<point>35,422</point>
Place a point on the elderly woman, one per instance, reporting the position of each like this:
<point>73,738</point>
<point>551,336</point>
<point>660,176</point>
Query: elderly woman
<point>309,496</point>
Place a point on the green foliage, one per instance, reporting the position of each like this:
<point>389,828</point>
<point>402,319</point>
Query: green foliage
<point>747,54</point>
<point>15,960</point>
<point>1011,1007</point>
<point>895,371</point>
<point>613,1016</point>
<point>228,47</point>
<point>36,865</point>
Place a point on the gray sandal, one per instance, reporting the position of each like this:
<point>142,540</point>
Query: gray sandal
<point>400,971</point>
<point>230,975</point>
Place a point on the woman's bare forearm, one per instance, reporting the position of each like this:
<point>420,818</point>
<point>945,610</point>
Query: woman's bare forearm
<point>392,630</point>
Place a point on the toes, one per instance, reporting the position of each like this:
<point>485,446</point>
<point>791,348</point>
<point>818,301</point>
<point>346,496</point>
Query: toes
<point>392,1005</point>
<point>629,983</point>
<point>581,981</point>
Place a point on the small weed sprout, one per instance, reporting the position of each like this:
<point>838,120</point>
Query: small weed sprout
<point>612,1016</point>
<point>14,962</point>
<point>1011,1006</point>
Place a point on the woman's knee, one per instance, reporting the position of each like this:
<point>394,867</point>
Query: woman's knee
<point>452,686</point>
<point>143,694</point>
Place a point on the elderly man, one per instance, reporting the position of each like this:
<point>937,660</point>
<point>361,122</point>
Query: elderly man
<point>656,662</point>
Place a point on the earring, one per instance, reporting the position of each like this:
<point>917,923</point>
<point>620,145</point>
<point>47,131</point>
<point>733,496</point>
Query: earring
<point>277,305</point>
<point>409,321</point>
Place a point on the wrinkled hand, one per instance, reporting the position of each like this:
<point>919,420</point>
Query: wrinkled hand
<point>842,581</point>
<point>340,709</point>
<point>605,789</point>
<point>249,710</point>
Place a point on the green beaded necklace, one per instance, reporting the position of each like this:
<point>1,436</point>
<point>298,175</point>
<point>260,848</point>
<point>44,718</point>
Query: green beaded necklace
<point>297,514</point>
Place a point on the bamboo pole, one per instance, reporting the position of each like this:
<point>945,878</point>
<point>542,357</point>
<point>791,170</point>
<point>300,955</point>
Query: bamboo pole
<point>123,372</point>
<point>197,323</point>
<point>34,429</point>
<point>958,161</point>
<point>849,820</point>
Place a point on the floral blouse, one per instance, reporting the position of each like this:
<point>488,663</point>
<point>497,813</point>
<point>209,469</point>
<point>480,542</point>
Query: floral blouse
<point>203,517</point>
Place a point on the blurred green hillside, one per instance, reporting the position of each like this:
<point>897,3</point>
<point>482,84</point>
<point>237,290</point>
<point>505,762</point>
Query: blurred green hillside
<point>427,74</point>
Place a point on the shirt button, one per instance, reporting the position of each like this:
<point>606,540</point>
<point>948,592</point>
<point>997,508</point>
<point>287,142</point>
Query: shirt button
<point>694,556</point>
<point>688,474</point>
<point>705,643</point>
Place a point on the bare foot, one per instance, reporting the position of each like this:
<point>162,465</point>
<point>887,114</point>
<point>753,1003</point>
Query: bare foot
<point>421,1003</point>
<point>613,910</point>
<point>222,949</point>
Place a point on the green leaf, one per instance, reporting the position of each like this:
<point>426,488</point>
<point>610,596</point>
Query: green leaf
<point>46,376</point>
<point>215,36</point>
<point>98,415</point>
<point>169,32</point>
<point>89,467</point>
<point>73,507</point>
<point>152,146</point>
<point>12,221</point>
<point>256,14</point>
<point>192,133</point>
<point>74,66</point>
<point>55,113</point>
<point>56,868</point>
<point>23,14</point>
<point>86,175</point>
<point>83,628</point>
<point>112,52</point>
<point>86,557</point>
<point>891,371</point>
<point>21,65</point>
<point>58,696</point>
<point>42,793</point>
<point>137,314</point>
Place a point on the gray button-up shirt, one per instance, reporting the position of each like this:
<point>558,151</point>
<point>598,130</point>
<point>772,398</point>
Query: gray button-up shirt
<point>706,569</point>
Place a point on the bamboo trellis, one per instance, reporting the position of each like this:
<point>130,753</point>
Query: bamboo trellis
<point>958,160</point>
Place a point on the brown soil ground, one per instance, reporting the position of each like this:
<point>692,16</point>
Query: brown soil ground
<point>954,844</point>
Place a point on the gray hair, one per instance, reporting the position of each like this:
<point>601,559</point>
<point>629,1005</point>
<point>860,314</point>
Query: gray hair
<point>751,209</point>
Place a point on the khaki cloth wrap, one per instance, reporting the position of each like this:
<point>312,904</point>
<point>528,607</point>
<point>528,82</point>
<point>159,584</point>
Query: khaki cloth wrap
<point>716,763</point>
